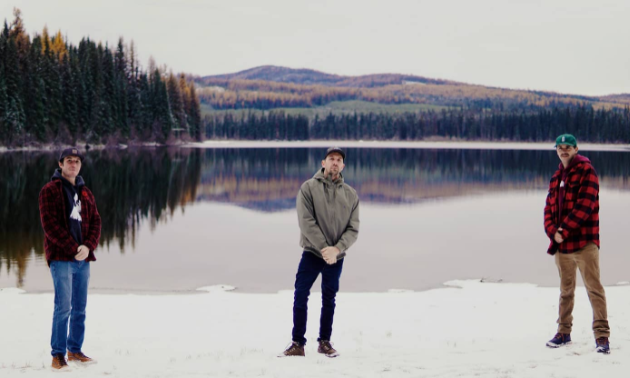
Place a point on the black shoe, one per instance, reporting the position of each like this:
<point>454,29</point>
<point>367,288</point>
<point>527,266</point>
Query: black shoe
<point>559,340</point>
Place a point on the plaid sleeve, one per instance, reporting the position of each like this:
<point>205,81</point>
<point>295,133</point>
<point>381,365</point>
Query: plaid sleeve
<point>585,204</point>
<point>550,224</point>
<point>49,214</point>
<point>94,233</point>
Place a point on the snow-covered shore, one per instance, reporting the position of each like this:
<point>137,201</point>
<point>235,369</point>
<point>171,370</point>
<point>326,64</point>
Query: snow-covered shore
<point>469,329</point>
<point>473,145</point>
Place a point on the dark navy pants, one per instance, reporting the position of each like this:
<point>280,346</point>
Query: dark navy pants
<point>310,267</point>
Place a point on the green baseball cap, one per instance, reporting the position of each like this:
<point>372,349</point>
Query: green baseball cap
<point>567,139</point>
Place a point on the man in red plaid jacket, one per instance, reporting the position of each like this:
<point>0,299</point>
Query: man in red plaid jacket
<point>72,229</point>
<point>572,225</point>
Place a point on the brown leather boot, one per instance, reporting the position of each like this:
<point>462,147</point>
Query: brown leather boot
<point>325,348</point>
<point>79,357</point>
<point>59,362</point>
<point>295,349</point>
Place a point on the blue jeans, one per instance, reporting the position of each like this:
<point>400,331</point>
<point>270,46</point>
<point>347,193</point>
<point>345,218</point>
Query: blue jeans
<point>310,267</point>
<point>71,279</point>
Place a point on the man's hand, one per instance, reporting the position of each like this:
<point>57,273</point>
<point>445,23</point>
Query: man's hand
<point>558,236</point>
<point>330,254</point>
<point>82,253</point>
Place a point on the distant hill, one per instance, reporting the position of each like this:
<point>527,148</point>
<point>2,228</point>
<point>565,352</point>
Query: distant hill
<point>273,87</point>
<point>306,76</point>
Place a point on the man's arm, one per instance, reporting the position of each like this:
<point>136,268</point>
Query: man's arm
<point>55,232</point>
<point>585,204</point>
<point>306,218</point>
<point>351,234</point>
<point>550,224</point>
<point>94,233</point>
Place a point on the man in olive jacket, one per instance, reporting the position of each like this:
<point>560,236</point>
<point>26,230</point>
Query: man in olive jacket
<point>328,216</point>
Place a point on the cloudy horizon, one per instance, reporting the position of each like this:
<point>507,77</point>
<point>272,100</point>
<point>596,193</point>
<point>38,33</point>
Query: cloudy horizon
<point>576,47</point>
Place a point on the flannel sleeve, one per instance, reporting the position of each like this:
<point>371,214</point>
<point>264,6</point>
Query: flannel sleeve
<point>49,215</point>
<point>550,225</point>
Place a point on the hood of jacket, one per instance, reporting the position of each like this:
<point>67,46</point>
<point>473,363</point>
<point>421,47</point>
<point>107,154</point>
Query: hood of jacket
<point>319,176</point>
<point>78,181</point>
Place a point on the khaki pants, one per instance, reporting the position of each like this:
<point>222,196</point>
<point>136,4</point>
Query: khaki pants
<point>587,260</point>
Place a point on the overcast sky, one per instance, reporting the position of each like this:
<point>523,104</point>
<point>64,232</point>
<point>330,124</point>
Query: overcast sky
<point>569,46</point>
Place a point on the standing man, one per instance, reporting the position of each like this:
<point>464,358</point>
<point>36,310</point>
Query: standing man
<point>328,216</point>
<point>72,229</point>
<point>572,225</point>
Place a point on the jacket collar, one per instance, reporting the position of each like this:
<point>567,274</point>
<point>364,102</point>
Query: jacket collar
<point>319,176</point>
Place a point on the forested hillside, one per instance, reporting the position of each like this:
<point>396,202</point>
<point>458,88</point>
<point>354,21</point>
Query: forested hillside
<point>270,87</point>
<point>54,92</point>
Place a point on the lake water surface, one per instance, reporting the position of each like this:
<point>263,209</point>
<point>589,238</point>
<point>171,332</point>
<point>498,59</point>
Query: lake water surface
<point>178,219</point>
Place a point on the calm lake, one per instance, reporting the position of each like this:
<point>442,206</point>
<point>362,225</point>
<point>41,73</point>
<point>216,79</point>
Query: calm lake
<point>178,219</point>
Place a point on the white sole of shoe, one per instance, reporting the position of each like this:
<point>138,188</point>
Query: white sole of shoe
<point>332,355</point>
<point>552,345</point>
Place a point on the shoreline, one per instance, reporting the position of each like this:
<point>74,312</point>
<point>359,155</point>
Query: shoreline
<point>473,145</point>
<point>222,288</point>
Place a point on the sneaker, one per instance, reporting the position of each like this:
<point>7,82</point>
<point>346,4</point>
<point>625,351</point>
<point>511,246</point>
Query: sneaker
<point>559,340</point>
<point>59,362</point>
<point>325,348</point>
<point>79,357</point>
<point>603,346</point>
<point>294,349</point>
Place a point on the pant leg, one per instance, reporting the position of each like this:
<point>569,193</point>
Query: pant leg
<point>80,283</point>
<point>330,287</point>
<point>62,281</point>
<point>308,270</point>
<point>567,268</point>
<point>588,263</point>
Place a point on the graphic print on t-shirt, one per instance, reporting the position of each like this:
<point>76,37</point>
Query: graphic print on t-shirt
<point>76,209</point>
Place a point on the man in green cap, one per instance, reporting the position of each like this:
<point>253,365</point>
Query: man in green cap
<point>572,225</point>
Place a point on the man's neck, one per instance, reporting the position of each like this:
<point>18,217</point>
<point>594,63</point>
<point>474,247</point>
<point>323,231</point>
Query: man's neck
<point>568,163</point>
<point>71,180</point>
<point>332,177</point>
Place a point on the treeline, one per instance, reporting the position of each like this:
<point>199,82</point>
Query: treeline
<point>53,91</point>
<point>225,93</point>
<point>265,95</point>
<point>543,125</point>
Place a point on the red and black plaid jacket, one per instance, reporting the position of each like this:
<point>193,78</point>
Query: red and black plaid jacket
<point>579,218</point>
<point>58,243</point>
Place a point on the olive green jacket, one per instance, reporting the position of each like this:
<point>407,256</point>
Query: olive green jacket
<point>328,214</point>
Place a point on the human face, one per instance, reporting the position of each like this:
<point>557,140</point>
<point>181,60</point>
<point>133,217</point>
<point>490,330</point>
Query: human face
<point>566,153</point>
<point>70,167</point>
<point>333,164</point>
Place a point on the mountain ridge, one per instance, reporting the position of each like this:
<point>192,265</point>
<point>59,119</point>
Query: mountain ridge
<point>307,76</point>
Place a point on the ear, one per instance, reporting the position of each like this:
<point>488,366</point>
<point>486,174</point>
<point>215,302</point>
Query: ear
<point>60,164</point>
<point>323,163</point>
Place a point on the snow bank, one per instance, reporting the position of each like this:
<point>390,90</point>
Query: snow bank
<point>468,329</point>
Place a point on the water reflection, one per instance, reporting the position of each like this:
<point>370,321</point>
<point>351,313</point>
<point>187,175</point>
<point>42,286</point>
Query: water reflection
<point>139,186</point>
<point>268,179</point>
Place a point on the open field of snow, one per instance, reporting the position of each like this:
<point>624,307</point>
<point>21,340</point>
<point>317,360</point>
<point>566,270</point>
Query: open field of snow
<point>468,329</point>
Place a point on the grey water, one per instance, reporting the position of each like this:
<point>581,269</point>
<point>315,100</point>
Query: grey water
<point>178,219</point>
